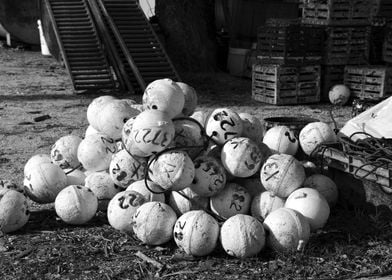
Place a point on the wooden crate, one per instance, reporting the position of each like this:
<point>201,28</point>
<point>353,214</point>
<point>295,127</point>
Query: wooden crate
<point>330,76</point>
<point>286,85</point>
<point>337,12</point>
<point>290,44</point>
<point>369,82</point>
<point>347,45</point>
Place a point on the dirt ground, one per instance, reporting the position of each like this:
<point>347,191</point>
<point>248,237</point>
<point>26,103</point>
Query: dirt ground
<point>34,86</point>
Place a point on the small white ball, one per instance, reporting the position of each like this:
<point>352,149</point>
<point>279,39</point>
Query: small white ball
<point>311,204</point>
<point>125,134</point>
<point>189,134</point>
<point>223,124</point>
<point>153,223</point>
<point>190,96</point>
<point>95,152</point>
<point>90,130</point>
<point>164,95</point>
<point>253,185</point>
<point>102,185</point>
<point>325,186</point>
<point>264,203</point>
<point>95,108</point>
<point>282,174</point>
<point>14,212</point>
<point>196,233</point>
<point>314,134</point>
<point>200,116</point>
<point>241,157</point>
<point>36,160</point>
<point>152,132</point>
<point>242,236</point>
<point>121,209</point>
<point>210,176</point>
<point>64,152</point>
<point>287,230</point>
<point>310,167</point>
<point>113,116</point>
<point>253,127</point>
<point>76,205</point>
<point>44,181</point>
<point>281,139</point>
<point>339,94</point>
<point>232,200</point>
<point>75,177</point>
<point>181,204</point>
<point>173,170</point>
<point>140,187</point>
<point>125,168</point>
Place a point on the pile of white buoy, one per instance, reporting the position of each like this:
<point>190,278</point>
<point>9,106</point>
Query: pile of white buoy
<point>163,170</point>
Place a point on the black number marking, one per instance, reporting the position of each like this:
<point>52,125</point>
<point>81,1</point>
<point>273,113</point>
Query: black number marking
<point>135,200</point>
<point>230,123</point>
<point>122,200</point>
<point>239,199</point>
<point>181,226</point>
<point>292,140</point>
<point>107,143</point>
<point>227,134</point>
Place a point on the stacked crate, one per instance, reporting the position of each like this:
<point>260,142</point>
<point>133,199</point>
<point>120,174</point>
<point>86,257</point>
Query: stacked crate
<point>373,82</point>
<point>288,67</point>
<point>369,82</point>
<point>347,29</point>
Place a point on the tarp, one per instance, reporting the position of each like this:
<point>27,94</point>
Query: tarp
<point>376,121</point>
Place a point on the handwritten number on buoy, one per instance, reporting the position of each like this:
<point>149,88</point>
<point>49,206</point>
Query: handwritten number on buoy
<point>236,202</point>
<point>122,205</point>
<point>292,140</point>
<point>107,143</point>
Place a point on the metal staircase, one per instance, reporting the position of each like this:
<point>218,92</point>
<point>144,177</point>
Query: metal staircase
<point>103,39</point>
<point>79,44</point>
<point>141,52</point>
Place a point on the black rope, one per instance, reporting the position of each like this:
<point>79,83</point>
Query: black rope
<point>73,169</point>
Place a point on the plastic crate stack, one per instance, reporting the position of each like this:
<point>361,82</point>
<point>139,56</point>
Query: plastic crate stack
<point>373,82</point>
<point>287,71</point>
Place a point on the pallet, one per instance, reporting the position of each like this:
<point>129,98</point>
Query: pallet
<point>330,76</point>
<point>347,45</point>
<point>286,85</point>
<point>369,82</point>
<point>289,43</point>
<point>336,12</point>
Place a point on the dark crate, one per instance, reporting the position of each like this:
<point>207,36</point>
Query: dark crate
<point>381,9</point>
<point>286,85</point>
<point>337,12</point>
<point>347,45</point>
<point>290,44</point>
<point>369,82</point>
<point>330,76</point>
<point>377,38</point>
<point>387,46</point>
